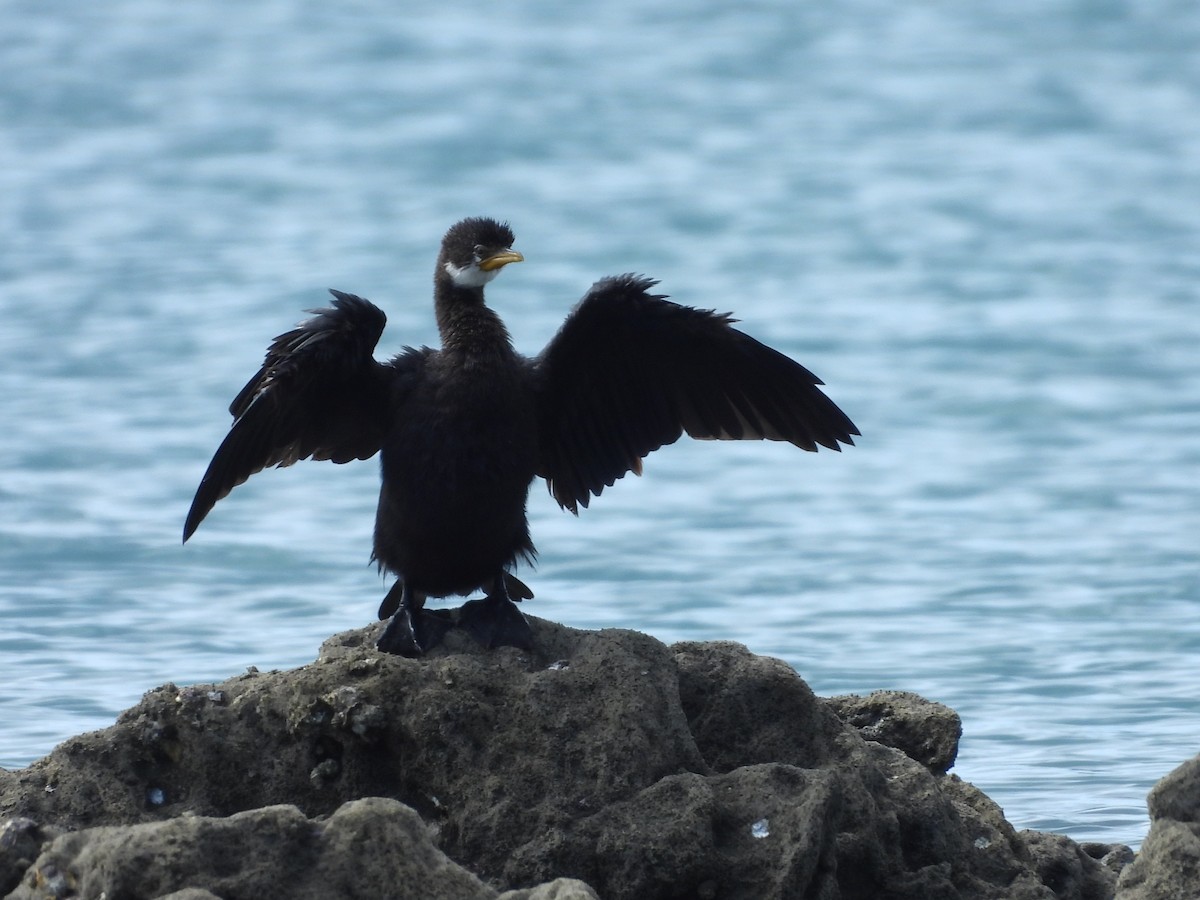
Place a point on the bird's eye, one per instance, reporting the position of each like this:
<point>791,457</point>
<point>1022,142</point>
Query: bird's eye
<point>478,252</point>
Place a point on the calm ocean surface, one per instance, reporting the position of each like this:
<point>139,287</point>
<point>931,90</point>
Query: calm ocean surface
<point>980,226</point>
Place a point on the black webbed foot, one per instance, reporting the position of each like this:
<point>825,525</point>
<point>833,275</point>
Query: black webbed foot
<point>494,620</point>
<point>392,600</point>
<point>516,588</point>
<point>413,630</point>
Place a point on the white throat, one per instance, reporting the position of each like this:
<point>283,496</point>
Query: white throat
<point>469,276</point>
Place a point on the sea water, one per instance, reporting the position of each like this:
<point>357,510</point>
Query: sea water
<point>980,226</point>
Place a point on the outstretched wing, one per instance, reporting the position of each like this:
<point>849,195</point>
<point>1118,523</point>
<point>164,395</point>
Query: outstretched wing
<point>630,371</point>
<point>320,393</point>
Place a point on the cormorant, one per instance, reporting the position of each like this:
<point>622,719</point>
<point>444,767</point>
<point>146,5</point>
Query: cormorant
<point>463,431</point>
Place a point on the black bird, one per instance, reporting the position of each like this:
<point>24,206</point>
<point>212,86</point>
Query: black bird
<point>463,431</point>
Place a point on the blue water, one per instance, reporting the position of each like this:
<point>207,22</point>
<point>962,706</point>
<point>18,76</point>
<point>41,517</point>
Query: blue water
<point>980,226</point>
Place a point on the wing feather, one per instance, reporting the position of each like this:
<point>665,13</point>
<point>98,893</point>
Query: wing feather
<point>319,393</point>
<point>630,371</point>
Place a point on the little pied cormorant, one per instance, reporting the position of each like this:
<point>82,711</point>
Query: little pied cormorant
<point>463,431</point>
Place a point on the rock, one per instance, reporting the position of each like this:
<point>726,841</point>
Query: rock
<point>601,764</point>
<point>927,732</point>
<point>1113,857</point>
<point>1177,795</point>
<point>1168,866</point>
<point>1066,868</point>
<point>743,709</point>
<point>21,840</point>
<point>368,849</point>
<point>558,889</point>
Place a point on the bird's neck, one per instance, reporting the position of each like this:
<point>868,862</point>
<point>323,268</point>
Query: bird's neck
<point>466,325</point>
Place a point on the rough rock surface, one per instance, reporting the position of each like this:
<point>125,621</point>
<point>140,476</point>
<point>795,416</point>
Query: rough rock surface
<point>926,731</point>
<point>1168,867</point>
<point>293,855</point>
<point>645,771</point>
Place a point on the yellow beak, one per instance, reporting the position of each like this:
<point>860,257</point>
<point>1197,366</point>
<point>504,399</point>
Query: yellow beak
<point>497,260</point>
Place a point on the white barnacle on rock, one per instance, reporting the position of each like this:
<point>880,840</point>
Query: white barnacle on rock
<point>760,829</point>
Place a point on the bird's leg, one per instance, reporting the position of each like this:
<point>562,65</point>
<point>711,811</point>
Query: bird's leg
<point>494,620</point>
<point>412,630</point>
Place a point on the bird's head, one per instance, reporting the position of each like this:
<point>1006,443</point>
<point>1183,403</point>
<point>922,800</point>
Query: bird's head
<point>475,250</point>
